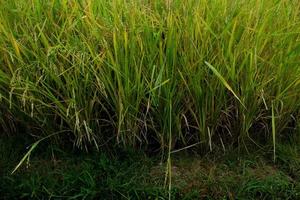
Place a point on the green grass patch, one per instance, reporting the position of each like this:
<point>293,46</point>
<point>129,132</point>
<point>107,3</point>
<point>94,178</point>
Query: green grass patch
<point>54,174</point>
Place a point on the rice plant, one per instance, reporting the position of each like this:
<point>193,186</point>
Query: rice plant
<point>151,74</point>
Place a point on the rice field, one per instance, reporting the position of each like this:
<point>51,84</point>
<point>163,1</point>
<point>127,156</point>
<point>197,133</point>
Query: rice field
<point>164,77</point>
<point>158,75</point>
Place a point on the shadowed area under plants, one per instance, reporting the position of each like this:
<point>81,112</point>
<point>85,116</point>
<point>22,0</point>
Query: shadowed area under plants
<point>54,173</point>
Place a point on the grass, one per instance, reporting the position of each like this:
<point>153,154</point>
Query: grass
<point>55,174</point>
<point>98,71</point>
<point>158,76</point>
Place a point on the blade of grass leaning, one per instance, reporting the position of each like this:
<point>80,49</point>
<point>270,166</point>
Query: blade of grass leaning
<point>33,146</point>
<point>224,82</point>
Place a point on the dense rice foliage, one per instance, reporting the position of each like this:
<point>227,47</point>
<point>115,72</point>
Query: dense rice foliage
<point>140,72</point>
